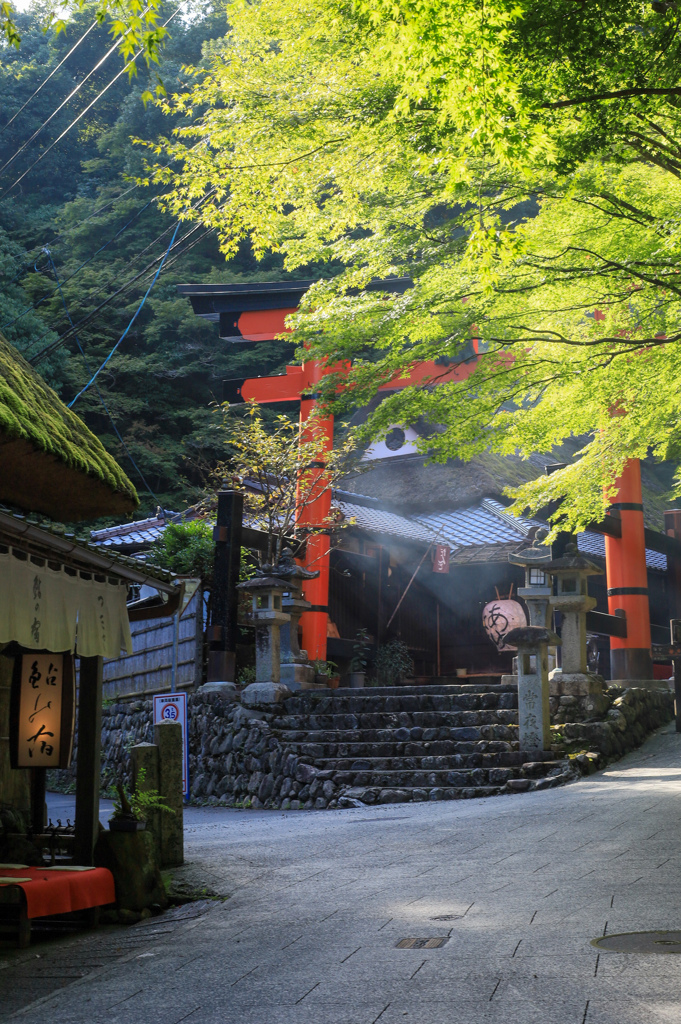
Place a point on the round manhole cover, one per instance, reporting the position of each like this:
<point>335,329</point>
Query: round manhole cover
<point>640,942</point>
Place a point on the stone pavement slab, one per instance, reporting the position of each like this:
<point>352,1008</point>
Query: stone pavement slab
<point>518,885</point>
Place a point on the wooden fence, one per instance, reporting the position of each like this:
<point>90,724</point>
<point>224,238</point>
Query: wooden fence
<point>148,669</point>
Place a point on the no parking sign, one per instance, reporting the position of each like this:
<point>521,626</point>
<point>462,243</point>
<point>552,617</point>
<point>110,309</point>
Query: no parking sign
<point>173,708</point>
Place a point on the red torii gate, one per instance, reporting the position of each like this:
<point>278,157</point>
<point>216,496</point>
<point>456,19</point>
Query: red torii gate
<point>257,312</point>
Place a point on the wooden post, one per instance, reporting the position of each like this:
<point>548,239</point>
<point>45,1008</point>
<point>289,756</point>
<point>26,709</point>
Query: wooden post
<point>89,758</point>
<point>38,786</point>
<point>223,624</point>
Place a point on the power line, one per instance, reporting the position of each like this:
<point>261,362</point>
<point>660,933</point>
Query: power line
<point>54,113</point>
<point>34,359</point>
<point>82,114</point>
<point>125,332</point>
<point>46,80</point>
<point>101,396</point>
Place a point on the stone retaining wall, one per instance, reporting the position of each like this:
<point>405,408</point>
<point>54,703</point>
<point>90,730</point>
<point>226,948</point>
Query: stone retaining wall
<point>236,758</point>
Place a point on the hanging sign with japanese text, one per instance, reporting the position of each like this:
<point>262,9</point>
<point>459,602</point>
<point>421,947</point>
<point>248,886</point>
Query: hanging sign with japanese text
<point>41,732</point>
<point>441,559</point>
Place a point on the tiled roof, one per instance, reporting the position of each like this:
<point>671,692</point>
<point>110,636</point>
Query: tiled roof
<point>133,535</point>
<point>376,520</point>
<point>482,533</point>
<point>483,553</point>
<point>78,550</point>
<point>594,544</point>
<point>486,523</point>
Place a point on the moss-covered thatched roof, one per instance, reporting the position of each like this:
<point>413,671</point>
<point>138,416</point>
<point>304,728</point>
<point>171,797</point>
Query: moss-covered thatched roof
<point>50,462</point>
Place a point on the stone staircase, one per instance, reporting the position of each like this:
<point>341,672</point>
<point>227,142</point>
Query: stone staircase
<point>392,745</point>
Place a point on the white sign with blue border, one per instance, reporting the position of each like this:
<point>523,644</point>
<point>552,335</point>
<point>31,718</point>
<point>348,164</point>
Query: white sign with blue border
<point>173,708</point>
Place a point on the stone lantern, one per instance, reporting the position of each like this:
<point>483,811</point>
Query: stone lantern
<point>296,671</point>
<point>537,590</point>
<point>534,724</point>
<point>571,573</point>
<point>268,618</point>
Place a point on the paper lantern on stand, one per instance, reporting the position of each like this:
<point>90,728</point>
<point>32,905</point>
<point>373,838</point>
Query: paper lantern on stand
<point>499,617</point>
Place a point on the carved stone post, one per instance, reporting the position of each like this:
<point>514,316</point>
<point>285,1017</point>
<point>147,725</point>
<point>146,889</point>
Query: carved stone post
<point>532,642</point>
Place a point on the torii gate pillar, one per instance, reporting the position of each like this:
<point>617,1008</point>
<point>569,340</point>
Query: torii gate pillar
<point>627,580</point>
<point>316,513</point>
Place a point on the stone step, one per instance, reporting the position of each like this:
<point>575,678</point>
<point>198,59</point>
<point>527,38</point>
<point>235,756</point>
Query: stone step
<point>514,760</point>
<point>451,699</point>
<point>406,778</point>
<point>401,795</point>
<point>442,748</point>
<point>399,719</point>
<point>402,734</point>
<point>419,690</point>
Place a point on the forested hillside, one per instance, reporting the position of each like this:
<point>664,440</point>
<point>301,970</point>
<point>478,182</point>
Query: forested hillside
<point>80,198</point>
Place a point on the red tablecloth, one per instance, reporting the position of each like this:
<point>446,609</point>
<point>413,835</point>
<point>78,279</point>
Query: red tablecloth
<point>60,892</point>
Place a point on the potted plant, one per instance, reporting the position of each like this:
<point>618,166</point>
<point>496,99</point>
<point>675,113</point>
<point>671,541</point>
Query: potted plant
<point>393,663</point>
<point>131,809</point>
<point>360,657</point>
<point>326,674</point>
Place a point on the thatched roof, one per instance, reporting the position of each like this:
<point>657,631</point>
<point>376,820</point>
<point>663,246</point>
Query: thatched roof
<point>49,461</point>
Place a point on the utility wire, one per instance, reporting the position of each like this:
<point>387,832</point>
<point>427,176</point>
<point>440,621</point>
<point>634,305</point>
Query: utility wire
<point>54,113</point>
<point>46,80</point>
<point>78,269</point>
<point>127,329</point>
<point>87,367</point>
<point>34,359</point>
<point>82,114</point>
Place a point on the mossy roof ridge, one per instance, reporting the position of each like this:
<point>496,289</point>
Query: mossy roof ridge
<point>31,410</point>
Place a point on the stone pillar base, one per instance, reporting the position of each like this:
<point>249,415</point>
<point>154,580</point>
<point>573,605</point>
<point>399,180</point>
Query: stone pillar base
<point>225,688</point>
<point>643,684</point>
<point>575,684</point>
<point>298,676</point>
<point>258,695</point>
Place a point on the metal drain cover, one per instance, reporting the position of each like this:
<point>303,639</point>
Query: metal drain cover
<point>422,943</point>
<point>640,942</point>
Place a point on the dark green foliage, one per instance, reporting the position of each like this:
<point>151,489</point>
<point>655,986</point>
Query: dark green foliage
<point>187,549</point>
<point>161,383</point>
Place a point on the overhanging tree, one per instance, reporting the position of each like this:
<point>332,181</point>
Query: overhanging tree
<point>520,161</point>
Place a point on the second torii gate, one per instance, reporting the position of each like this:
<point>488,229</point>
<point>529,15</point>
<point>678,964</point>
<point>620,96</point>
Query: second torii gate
<point>248,313</point>
<point>257,312</point>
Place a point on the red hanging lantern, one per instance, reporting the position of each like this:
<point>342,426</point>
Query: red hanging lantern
<point>499,617</point>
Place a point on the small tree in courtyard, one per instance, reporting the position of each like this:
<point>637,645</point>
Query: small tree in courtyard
<point>281,471</point>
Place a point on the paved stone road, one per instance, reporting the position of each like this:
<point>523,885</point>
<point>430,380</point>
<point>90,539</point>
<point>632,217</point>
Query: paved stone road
<point>519,885</point>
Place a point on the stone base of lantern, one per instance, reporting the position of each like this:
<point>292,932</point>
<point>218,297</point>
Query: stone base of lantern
<point>298,676</point>
<point>643,684</point>
<point>227,690</point>
<point>575,684</point>
<point>264,695</point>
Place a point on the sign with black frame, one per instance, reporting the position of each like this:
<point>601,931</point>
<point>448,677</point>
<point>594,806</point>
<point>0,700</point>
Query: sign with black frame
<point>42,709</point>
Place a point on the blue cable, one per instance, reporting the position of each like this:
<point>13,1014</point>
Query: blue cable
<point>125,332</point>
<point>87,367</point>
